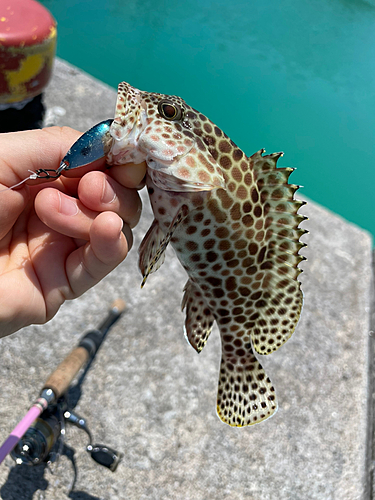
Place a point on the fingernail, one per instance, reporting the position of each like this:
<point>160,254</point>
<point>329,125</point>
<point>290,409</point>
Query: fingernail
<point>121,229</point>
<point>67,206</point>
<point>108,195</point>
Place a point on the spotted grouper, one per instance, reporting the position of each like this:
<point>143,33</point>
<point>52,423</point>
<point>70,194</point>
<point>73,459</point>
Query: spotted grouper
<point>234,225</point>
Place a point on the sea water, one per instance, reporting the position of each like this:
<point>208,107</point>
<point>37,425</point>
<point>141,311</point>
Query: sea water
<point>292,76</point>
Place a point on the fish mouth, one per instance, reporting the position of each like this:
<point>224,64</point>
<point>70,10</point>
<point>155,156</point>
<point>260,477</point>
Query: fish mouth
<point>125,148</point>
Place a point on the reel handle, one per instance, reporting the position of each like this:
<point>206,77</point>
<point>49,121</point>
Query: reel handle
<point>104,455</point>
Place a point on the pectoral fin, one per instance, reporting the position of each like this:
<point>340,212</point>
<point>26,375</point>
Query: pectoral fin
<point>154,244</point>
<point>149,247</point>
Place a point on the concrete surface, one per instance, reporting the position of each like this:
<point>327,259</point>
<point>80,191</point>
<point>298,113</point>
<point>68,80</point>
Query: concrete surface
<point>151,396</point>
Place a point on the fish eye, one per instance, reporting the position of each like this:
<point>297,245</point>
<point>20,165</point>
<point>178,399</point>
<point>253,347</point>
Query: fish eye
<point>170,110</point>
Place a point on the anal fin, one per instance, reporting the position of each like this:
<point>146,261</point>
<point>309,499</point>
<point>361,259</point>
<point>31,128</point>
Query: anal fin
<point>199,319</point>
<point>246,395</point>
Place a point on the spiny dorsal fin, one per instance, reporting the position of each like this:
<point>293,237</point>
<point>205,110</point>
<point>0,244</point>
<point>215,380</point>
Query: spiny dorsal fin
<point>199,319</point>
<point>277,303</point>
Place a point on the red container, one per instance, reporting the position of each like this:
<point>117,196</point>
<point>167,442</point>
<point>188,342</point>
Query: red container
<point>27,49</point>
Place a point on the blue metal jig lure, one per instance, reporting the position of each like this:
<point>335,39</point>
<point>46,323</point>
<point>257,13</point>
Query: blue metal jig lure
<point>91,146</point>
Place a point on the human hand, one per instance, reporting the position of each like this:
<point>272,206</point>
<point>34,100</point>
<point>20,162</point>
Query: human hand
<point>60,238</point>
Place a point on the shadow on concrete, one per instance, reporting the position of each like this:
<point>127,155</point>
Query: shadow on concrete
<point>24,480</point>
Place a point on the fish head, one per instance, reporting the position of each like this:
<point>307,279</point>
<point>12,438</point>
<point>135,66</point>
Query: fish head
<point>130,120</point>
<point>161,130</point>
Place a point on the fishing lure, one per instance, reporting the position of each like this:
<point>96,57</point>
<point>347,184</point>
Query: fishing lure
<point>92,145</point>
<point>234,225</point>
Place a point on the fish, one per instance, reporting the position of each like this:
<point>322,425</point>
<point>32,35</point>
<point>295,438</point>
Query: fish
<point>234,225</point>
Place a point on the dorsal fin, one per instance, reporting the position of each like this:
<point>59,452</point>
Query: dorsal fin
<point>277,303</point>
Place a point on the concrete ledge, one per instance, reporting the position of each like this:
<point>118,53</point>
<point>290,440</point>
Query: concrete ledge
<point>152,397</point>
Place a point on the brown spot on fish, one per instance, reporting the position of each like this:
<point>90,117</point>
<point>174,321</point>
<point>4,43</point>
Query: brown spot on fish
<point>237,154</point>
<point>211,256</point>
<point>235,212</point>
<point>248,179</point>
<point>224,245</point>
<point>190,162</point>
<point>236,174</point>
<point>213,207</point>
<point>222,232</point>
<point>225,162</point>
<point>224,147</point>
<point>192,246</point>
<point>208,128</point>
<point>226,200</point>
<point>242,193</point>
<point>208,244</point>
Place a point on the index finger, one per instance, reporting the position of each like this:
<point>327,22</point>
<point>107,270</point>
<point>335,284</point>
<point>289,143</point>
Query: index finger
<point>129,175</point>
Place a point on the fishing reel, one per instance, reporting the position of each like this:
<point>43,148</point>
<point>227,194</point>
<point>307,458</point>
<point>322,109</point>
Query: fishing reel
<point>40,434</point>
<point>43,442</point>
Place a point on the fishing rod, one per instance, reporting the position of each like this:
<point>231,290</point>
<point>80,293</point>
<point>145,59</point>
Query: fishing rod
<point>39,436</point>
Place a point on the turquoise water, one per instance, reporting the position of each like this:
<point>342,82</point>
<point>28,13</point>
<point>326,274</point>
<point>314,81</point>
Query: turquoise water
<point>296,76</point>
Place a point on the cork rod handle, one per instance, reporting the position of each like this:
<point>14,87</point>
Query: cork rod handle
<point>60,380</point>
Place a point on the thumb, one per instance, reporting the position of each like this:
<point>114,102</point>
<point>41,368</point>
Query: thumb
<point>24,151</point>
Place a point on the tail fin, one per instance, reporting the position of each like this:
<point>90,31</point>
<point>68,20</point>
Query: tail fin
<point>245,393</point>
